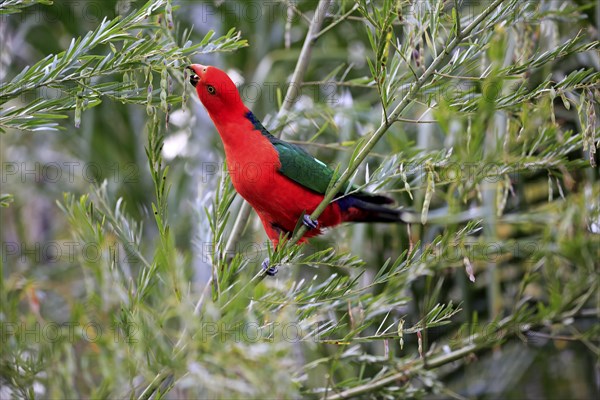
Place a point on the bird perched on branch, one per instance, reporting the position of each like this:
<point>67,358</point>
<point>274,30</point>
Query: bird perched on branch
<point>281,181</point>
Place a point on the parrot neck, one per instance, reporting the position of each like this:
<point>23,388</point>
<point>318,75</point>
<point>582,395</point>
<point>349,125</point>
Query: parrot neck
<point>233,126</point>
<point>247,145</point>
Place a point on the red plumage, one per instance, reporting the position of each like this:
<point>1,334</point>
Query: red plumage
<point>254,165</point>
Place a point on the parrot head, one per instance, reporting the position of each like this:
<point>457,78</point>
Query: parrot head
<point>215,89</point>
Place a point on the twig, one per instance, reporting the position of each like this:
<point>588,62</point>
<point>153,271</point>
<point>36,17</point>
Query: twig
<point>411,367</point>
<point>238,227</point>
<point>154,385</point>
<point>337,21</point>
<point>303,60</point>
<point>340,83</point>
<point>180,345</point>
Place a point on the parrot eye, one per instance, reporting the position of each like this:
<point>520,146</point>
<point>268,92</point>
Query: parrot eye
<point>211,89</point>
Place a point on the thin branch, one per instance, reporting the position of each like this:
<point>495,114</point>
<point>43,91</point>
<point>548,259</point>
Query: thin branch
<point>410,368</point>
<point>296,10</point>
<point>334,146</point>
<point>466,78</point>
<point>304,59</point>
<point>336,22</point>
<point>340,83</point>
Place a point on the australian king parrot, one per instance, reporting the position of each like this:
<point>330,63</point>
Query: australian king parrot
<point>280,180</point>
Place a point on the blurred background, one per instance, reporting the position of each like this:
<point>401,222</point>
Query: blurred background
<point>523,167</point>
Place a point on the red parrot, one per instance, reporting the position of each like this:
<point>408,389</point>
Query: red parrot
<point>281,181</point>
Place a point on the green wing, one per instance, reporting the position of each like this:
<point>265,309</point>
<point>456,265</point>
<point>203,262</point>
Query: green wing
<point>296,163</point>
<point>301,167</point>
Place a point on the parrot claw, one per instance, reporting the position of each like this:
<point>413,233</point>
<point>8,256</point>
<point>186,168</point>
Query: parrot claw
<point>309,223</point>
<point>271,271</point>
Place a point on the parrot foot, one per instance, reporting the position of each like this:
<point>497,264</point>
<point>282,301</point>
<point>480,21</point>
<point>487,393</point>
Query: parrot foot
<point>271,271</point>
<point>309,223</point>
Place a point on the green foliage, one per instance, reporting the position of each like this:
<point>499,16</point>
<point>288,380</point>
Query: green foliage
<point>480,119</point>
<point>15,6</point>
<point>135,46</point>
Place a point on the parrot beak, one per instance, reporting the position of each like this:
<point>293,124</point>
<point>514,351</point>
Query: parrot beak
<point>196,69</point>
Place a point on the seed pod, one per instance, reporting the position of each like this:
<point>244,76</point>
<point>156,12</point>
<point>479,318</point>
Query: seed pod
<point>169,15</point>
<point>149,78</point>
<point>469,268</point>
<point>428,193</point>
<point>401,332</point>
<point>406,185</point>
<point>552,97</point>
<point>78,109</point>
<point>149,108</point>
<point>184,94</point>
<point>589,132</point>
<point>503,190</point>
<point>163,89</point>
